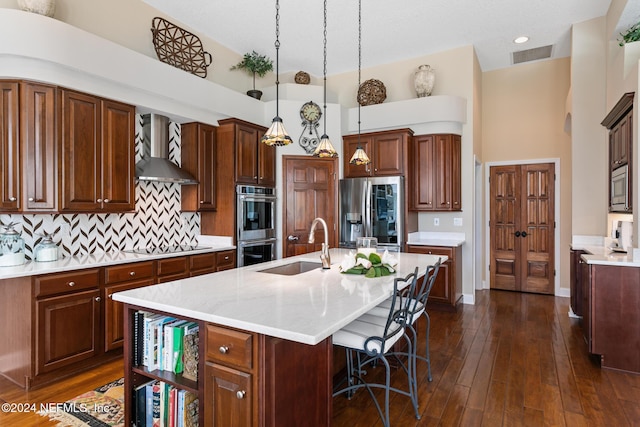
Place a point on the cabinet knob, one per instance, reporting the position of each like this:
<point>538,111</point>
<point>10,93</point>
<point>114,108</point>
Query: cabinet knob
<point>99,201</point>
<point>255,177</point>
<point>107,200</point>
<point>262,177</point>
<point>12,199</point>
<point>110,296</point>
<point>30,199</point>
<point>226,258</point>
<point>132,273</point>
<point>72,284</point>
<point>223,349</point>
<point>97,299</point>
<point>241,394</point>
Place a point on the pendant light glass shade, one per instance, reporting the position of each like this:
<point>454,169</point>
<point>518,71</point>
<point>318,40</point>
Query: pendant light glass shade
<point>325,147</point>
<point>359,158</point>
<point>276,134</point>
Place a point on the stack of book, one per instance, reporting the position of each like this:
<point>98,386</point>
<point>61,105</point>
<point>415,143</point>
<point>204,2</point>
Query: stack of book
<point>159,404</point>
<point>167,344</point>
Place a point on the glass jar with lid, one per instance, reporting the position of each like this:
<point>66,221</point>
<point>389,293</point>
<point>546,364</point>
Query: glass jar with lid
<point>46,250</point>
<point>11,246</point>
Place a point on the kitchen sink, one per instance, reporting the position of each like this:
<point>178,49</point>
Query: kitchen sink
<point>293,268</point>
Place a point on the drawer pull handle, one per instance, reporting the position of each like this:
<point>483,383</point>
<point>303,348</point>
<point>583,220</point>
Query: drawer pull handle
<point>72,284</point>
<point>132,273</point>
<point>97,299</point>
<point>223,349</point>
<point>241,394</point>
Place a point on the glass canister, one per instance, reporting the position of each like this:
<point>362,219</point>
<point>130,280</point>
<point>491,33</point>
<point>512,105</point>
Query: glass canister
<point>47,249</point>
<point>11,246</point>
<point>366,245</point>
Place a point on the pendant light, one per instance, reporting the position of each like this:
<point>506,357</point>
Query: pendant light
<point>276,134</point>
<point>359,158</point>
<point>325,147</point>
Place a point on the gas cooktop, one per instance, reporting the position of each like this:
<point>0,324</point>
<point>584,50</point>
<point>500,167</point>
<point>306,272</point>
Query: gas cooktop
<point>165,249</point>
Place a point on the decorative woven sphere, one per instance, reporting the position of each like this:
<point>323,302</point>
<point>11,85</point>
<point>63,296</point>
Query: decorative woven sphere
<point>372,92</point>
<point>302,78</point>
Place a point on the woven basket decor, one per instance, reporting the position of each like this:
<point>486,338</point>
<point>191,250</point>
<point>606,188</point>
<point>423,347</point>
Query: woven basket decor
<point>302,78</point>
<point>180,48</point>
<point>372,92</point>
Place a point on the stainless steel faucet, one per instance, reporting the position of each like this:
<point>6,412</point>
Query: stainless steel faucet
<point>324,255</point>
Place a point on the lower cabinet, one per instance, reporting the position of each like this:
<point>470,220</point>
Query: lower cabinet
<point>228,398</point>
<point>575,282</point>
<point>225,260</point>
<point>170,269</point>
<point>446,293</point>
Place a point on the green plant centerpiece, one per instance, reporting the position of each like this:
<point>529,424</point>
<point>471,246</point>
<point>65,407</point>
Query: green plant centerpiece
<point>257,65</point>
<point>371,265</point>
<point>631,35</point>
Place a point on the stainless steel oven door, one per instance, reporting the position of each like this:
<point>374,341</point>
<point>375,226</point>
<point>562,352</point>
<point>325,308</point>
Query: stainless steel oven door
<point>255,252</point>
<point>256,217</point>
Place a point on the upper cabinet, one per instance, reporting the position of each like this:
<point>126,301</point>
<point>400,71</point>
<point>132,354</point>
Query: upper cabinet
<point>97,154</point>
<point>9,147</point>
<point>387,151</point>
<point>255,162</point>
<point>435,183</point>
<point>199,159</point>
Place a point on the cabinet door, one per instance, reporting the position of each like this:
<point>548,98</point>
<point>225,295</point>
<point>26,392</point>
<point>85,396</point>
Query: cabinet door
<point>228,397</point>
<point>9,148</point>
<point>388,154</point>
<point>225,260</point>
<point>267,164</point>
<point>114,313</point>
<point>443,172</point>
<point>246,154</point>
<point>350,144</point>
<point>68,329</point>
<point>81,161</point>
<point>422,182</point>
<point>199,155</point>
<point>455,178</point>
<point>39,147</point>
<point>117,157</point>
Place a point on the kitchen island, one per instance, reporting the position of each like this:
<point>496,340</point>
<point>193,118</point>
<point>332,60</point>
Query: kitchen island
<point>265,337</point>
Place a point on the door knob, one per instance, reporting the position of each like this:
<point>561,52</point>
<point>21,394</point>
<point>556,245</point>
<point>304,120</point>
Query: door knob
<point>517,233</point>
<point>292,238</point>
<point>524,234</point>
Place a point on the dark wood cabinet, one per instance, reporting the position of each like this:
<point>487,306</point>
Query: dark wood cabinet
<point>229,398</point>
<point>9,147</point>
<point>611,317</point>
<point>39,144</point>
<point>202,264</point>
<point>575,282</point>
<point>387,151</point>
<point>446,293</point>
<point>619,122</point>
<point>225,260</point>
<point>435,183</point>
<point>169,269</point>
<point>255,161</point>
<point>97,160</point>
<point>199,159</point>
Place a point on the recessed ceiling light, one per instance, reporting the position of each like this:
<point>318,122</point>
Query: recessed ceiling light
<point>521,39</point>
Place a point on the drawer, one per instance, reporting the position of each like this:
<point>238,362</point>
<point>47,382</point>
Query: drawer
<point>125,272</point>
<point>52,284</point>
<point>225,260</point>
<point>172,266</point>
<point>202,262</point>
<point>229,347</point>
<point>432,250</point>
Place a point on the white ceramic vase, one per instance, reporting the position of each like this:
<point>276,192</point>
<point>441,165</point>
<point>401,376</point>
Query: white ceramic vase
<point>423,81</point>
<point>42,7</point>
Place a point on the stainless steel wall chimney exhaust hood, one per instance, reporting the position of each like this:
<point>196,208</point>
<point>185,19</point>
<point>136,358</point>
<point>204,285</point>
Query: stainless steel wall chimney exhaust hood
<point>155,164</point>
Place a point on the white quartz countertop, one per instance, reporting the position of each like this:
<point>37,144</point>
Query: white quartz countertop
<point>429,238</point>
<point>601,254</point>
<point>97,259</point>
<point>307,307</point>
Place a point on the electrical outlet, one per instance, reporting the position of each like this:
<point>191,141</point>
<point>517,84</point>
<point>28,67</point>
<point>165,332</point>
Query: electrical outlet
<point>457,222</point>
<point>436,221</point>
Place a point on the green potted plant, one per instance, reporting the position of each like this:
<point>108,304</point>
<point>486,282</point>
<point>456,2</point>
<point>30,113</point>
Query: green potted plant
<point>255,64</point>
<point>631,35</point>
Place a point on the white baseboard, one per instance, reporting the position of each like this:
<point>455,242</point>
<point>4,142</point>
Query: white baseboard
<point>469,299</point>
<point>563,292</point>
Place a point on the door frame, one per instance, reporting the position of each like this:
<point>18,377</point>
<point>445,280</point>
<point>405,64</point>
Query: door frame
<point>556,213</point>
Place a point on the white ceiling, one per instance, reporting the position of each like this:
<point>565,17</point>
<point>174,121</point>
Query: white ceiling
<point>391,31</point>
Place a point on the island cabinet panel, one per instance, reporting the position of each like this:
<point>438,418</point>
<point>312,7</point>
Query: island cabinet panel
<point>9,147</point>
<point>229,397</point>
<point>575,282</point>
<point>611,315</point>
<point>199,159</point>
<point>446,293</point>
<point>39,145</point>
<point>387,151</point>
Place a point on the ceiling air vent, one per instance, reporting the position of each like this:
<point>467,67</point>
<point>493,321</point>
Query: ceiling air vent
<point>542,52</point>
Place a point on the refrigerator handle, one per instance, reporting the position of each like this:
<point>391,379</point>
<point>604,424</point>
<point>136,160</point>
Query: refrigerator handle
<point>367,210</point>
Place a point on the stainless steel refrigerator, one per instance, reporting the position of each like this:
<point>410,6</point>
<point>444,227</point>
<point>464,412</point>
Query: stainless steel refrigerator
<point>372,207</point>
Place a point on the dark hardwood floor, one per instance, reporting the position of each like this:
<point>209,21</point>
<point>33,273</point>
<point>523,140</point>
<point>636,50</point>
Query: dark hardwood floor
<point>512,359</point>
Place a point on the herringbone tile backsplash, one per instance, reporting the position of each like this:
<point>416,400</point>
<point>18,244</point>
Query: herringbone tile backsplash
<point>157,220</point>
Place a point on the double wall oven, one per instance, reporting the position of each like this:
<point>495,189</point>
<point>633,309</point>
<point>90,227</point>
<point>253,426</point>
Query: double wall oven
<point>256,232</point>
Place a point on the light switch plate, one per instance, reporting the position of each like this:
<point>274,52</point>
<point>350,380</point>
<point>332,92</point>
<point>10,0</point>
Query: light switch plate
<point>457,222</point>
<point>436,221</point>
